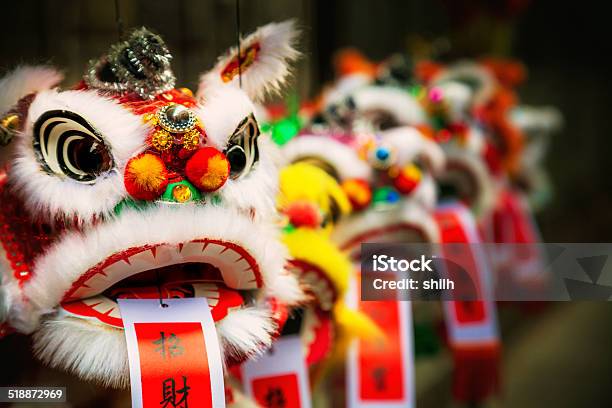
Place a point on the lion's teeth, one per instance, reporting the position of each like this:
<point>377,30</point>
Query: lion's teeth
<point>190,251</point>
<point>105,305</point>
<point>99,282</point>
<point>211,249</point>
<point>115,313</point>
<point>93,301</point>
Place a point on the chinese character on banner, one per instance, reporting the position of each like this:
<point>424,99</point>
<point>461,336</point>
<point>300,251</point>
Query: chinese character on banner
<point>280,391</point>
<point>275,398</point>
<point>168,345</point>
<point>382,372</point>
<point>172,397</point>
<point>174,355</point>
<point>279,378</point>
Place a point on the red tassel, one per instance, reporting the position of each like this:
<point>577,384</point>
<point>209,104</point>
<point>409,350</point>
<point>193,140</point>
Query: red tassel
<point>476,374</point>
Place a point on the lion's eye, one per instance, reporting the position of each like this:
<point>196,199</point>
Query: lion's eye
<point>68,145</point>
<point>242,151</point>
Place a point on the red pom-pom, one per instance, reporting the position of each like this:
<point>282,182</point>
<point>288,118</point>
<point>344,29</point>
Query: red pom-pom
<point>146,177</point>
<point>358,192</point>
<point>208,169</point>
<point>408,179</point>
<point>303,214</point>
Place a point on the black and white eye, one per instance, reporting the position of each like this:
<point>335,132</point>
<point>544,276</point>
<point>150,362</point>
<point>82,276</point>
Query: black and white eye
<point>68,145</point>
<point>242,151</point>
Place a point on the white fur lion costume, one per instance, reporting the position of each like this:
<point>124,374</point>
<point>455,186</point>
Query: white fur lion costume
<point>126,187</point>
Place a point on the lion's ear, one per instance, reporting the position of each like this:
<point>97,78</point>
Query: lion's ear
<point>24,81</point>
<point>15,90</point>
<point>263,66</point>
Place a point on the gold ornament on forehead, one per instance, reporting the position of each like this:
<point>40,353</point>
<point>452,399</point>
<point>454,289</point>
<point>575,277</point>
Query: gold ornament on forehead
<point>176,118</point>
<point>191,139</point>
<point>174,123</point>
<point>162,140</point>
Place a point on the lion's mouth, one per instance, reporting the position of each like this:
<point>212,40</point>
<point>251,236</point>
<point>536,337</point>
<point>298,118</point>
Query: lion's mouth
<point>392,233</point>
<point>226,274</point>
<point>459,182</point>
<point>316,280</point>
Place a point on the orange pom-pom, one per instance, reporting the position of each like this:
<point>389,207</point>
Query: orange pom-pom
<point>208,169</point>
<point>146,177</point>
<point>358,192</point>
<point>408,179</point>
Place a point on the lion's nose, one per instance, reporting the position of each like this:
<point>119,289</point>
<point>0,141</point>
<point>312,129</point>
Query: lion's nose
<point>148,178</point>
<point>303,214</point>
<point>208,169</point>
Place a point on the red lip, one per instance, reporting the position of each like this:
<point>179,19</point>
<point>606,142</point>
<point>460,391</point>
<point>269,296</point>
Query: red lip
<point>105,310</point>
<point>239,270</point>
<point>214,269</point>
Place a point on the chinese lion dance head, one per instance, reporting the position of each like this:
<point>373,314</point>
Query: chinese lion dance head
<point>388,178</point>
<point>313,202</point>
<point>127,187</point>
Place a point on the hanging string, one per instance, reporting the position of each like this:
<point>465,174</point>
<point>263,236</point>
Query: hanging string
<point>159,289</point>
<point>118,19</point>
<point>238,43</point>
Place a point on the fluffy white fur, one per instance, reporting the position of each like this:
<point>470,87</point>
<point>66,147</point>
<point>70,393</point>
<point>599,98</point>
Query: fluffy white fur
<point>458,97</point>
<point>537,124</point>
<point>19,83</point>
<point>268,72</point>
<point>50,194</point>
<point>467,69</point>
<point>286,287</point>
<point>5,279</point>
<point>91,351</point>
<point>98,353</point>
<point>26,80</point>
<point>221,111</point>
<point>344,86</point>
<point>258,188</point>
<point>247,332</point>
<point>395,101</point>
<point>342,158</point>
<point>76,252</point>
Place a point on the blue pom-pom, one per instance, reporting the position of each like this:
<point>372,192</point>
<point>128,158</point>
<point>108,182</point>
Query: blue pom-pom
<point>393,196</point>
<point>382,154</point>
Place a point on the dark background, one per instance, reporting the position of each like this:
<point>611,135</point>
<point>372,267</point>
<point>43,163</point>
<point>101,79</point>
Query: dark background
<point>562,357</point>
<point>565,45</point>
